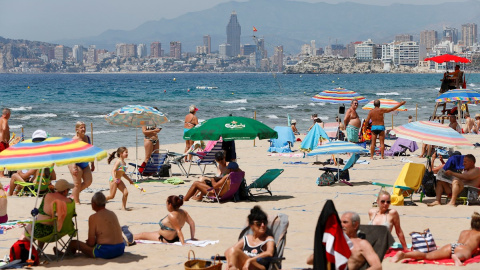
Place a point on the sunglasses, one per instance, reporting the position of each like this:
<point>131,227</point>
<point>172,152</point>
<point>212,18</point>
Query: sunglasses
<point>355,103</point>
<point>383,201</point>
<point>259,223</point>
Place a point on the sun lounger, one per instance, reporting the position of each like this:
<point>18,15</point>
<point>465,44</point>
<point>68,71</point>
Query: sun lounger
<point>263,182</point>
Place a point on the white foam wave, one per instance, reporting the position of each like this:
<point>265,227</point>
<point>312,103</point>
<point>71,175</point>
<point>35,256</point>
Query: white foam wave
<point>471,84</point>
<point>388,94</point>
<point>272,116</point>
<point>317,103</point>
<point>289,106</point>
<point>236,101</point>
<point>97,116</point>
<point>406,98</point>
<point>238,109</point>
<point>94,132</point>
<point>16,127</point>
<point>22,108</point>
<point>324,118</point>
<point>41,115</point>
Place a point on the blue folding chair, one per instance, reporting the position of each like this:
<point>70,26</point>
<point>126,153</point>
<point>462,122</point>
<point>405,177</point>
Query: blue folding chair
<point>208,158</point>
<point>156,166</point>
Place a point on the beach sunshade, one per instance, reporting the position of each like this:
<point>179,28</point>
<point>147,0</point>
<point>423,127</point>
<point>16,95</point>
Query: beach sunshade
<point>432,133</point>
<point>448,58</point>
<point>339,96</point>
<point>313,138</point>
<point>54,150</point>
<point>460,95</point>
<point>136,116</point>
<point>337,147</point>
<point>384,104</point>
<point>230,128</point>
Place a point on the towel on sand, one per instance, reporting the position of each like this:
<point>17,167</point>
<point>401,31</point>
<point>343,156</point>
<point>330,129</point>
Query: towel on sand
<point>173,181</point>
<point>391,252</point>
<point>197,243</point>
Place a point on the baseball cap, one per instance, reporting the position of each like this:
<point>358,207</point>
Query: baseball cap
<point>39,135</point>
<point>232,165</point>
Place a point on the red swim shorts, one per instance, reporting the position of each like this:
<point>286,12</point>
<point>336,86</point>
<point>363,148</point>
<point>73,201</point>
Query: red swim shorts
<point>3,146</point>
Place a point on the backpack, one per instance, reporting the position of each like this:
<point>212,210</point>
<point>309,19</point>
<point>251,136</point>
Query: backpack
<point>20,250</point>
<point>429,183</point>
<point>326,179</point>
<point>242,192</point>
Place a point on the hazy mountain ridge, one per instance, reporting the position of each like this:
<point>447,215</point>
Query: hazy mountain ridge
<point>291,24</point>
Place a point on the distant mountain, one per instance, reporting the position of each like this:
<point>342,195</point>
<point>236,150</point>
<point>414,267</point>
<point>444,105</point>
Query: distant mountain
<point>292,24</point>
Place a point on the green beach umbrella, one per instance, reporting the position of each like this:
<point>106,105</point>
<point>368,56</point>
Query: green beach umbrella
<point>230,128</point>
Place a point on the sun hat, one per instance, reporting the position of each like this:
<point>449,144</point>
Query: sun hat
<point>39,135</point>
<point>62,185</point>
<point>477,115</point>
<point>232,165</point>
<point>294,121</point>
<point>192,108</point>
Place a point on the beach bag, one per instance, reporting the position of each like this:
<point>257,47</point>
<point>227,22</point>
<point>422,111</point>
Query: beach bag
<point>20,250</point>
<point>202,264</point>
<point>423,242</point>
<point>326,179</point>
<point>429,183</point>
<point>242,192</point>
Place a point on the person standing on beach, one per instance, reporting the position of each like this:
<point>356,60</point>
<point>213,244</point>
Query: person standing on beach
<point>190,122</point>
<point>378,125</point>
<point>352,122</point>
<point>81,170</point>
<point>4,132</point>
<point>469,124</point>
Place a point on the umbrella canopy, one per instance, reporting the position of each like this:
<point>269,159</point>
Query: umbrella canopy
<point>337,147</point>
<point>230,128</point>
<point>448,58</point>
<point>55,150</point>
<point>432,133</point>
<point>460,95</point>
<point>136,116</point>
<point>339,96</point>
<point>313,137</point>
<point>385,104</point>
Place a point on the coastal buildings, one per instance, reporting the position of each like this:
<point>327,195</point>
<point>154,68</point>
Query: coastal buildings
<point>469,34</point>
<point>428,39</point>
<point>400,53</point>
<point>234,30</point>
<point>59,53</point>
<point>155,49</point>
<point>77,53</point>
<point>207,43</point>
<point>141,50</point>
<point>450,34</point>
<point>366,51</point>
<point>126,50</point>
<point>176,49</point>
<point>278,59</point>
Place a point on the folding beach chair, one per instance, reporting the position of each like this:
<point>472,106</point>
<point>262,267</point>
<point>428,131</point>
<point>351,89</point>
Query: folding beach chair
<point>263,182</point>
<point>32,188</point>
<point>68,228</point>
<point>156,166</point>
<point>408,182</point>
<point>400,147</point>
<point>338,174</point>
<point>228,189</point>
<point>177,159</point>
<point>206,158</point>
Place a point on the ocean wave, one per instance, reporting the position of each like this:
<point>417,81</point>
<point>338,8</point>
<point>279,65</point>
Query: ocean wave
<point>238,109</point>
<point>41,115</point>
<point>272,116</point>
<point>388,94</point>
<point>471,84</point>
<point>97,116</point>
<point>22,108</point>
<point>289,106</point>
<point>16,127</point>
<point>94,132</point>
<point>324,118</point>
<point>406,98</point>
<point>244,100</point>
<point>317,103</point>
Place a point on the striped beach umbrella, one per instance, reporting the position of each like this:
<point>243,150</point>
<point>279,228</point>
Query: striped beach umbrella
<point>52,151</point>
<point>136,116</point>
<point>337,147</point>
<point>385,104</point>
<point>432,133</point>
<point>460,95</point>
<point>339,96</point>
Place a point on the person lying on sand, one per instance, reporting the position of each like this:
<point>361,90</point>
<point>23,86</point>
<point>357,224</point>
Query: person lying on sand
<point>463,249</point>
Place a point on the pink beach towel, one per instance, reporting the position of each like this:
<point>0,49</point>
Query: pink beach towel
<point>391,252</point>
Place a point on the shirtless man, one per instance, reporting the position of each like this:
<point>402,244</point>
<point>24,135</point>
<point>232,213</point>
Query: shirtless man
<point>469,124</point>
<point>352,122</point>
<point>463,249</point>
<point>105,238</point>
<point>378,125</point>
<point>454,124</point>
<point>4,133</point>
<point>470,176</point>
<point>362,251</point>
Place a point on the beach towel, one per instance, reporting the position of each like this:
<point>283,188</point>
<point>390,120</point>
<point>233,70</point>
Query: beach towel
<point>362,161</point>
<point>197,243</point>
<point>286,154</point>
<point>295,162</point>
<point>391,252</point>
<point>174,181</point>
<point>12,225</point>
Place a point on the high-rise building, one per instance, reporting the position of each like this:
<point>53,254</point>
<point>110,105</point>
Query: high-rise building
<point>313,48</point>
<point>155,49</point>
<point>428,39</point>
<point>450,34</point>
<point>469,34</point>
<point>126,50</point>
<point>401,53</point>
<point>403,38</point>
<point>278,58</point>
<point>59,53</point>
<point>92,54</point>
<point>141,50</point>
<point>224,50</point>
<point>249,49</point>
<point>366,51</point>
<point>233,34</point>
<point>176,49</point>
<point>77,53</point>
<point>207,42</point>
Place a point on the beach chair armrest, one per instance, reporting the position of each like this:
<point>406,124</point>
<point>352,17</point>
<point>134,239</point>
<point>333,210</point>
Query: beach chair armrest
<point>270,260</point>
<point>135,165</point>
<point>329,169</point>
<point>381,184</point>
<point>403,187</point>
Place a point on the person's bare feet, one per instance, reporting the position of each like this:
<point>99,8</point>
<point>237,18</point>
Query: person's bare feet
<point>452,204</point>
<point>456,260</point>
<point>398,257</point>
<point>434,203</point>
<point>197,198</point>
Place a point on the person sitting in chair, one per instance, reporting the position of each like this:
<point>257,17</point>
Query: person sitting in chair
<point>221,171</point>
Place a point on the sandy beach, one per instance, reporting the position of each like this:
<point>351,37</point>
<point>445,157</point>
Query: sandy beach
<point>294,194</point>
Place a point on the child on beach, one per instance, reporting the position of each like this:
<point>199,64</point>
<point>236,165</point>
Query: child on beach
<point>118,170</point>
<point>3,205</point>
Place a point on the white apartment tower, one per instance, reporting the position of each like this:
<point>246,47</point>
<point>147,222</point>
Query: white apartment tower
<point>77,53</point>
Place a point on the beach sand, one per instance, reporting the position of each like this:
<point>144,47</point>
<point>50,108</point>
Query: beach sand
<point>294,194</point>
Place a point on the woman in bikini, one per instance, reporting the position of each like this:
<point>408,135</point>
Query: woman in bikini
<point>190,122</point>
<point>386,217</point>
<point>151,143</point>
<point>171,225</point>
<point>118,171</point>
<point>260,244</point>
<point>81,170</point>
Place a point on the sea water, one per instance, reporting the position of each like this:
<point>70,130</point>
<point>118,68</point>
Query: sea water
<point>55,102</point>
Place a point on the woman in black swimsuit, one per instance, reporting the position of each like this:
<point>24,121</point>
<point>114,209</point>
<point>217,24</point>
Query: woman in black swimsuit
<point>190,122</point>
<point>151,142</point>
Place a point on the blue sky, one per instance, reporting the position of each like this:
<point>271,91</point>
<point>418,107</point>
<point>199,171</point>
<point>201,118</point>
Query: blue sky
<point>49,20</point>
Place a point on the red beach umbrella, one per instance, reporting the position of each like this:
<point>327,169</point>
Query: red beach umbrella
<point>448,58</point>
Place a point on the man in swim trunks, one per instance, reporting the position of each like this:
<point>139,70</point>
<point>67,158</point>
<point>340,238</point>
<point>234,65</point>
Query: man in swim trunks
<point>378,125</point>
<point>470,176</point>
<point>352,122</point>
<point>105,238</point>
<point>463,249</point>
<point>4,132</point>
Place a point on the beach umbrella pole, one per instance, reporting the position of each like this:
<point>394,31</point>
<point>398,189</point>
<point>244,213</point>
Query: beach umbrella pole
<point>136,153</point>
<point>34,216</point>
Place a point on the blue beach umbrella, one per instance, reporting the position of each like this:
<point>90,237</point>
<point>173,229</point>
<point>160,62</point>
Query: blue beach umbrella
<point>313,138</point>
<point>337,147</point>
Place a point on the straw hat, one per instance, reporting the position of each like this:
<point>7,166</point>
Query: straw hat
<point>477,115</point>
<point>62,185</point>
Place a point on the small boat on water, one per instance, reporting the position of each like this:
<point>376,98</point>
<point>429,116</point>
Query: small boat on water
<point>203,87</point>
